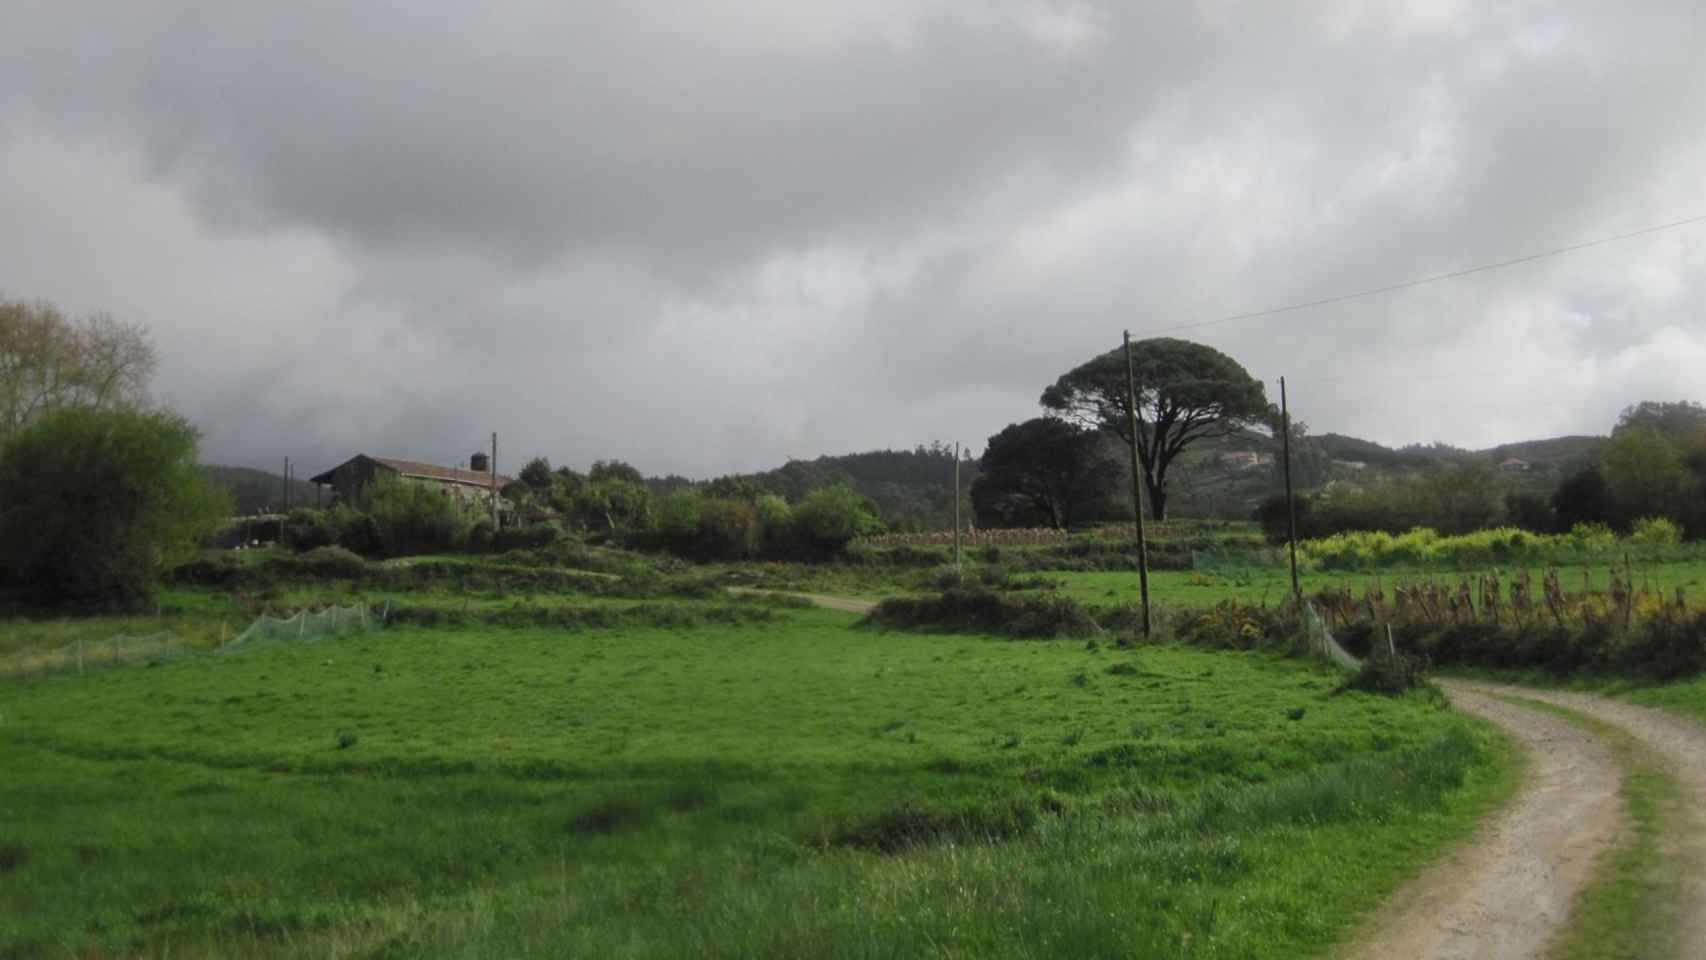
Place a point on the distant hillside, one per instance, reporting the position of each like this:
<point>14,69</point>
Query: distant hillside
<point>257,491</point>
<point>1556,451</point>
<point>911,487</point>
<point>1357,450</point>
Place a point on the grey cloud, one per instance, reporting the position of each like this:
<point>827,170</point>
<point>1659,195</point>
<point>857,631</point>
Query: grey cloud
<point>708,238</point>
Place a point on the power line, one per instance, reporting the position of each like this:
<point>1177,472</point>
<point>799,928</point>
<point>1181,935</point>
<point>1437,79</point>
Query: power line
<point>1324,301</point>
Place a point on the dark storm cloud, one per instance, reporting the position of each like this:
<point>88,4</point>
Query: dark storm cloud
<point>706,236</point>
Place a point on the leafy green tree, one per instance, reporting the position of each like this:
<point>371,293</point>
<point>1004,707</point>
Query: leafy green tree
<point>1583,498</point>
<point>49,361</point>
<point>1680,420</point>
<point>537,475</point>
<point>831,517</point>
<point>1185,392</point>
<point>1462,497</point>
<point>97,501</point>
<point>1530,511</point>
<point>735,487</point>
<point>1645,472</point>
<point>566,485</point>
<point>613,505</point>
<point>1044,468</point>
<point>615,470</point>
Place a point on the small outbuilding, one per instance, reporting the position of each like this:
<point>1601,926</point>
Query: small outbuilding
<point>473,487</point>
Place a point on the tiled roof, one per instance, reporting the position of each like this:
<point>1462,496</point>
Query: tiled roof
<point>432,471</point>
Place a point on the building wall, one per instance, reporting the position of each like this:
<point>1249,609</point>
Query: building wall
<point>351,477</point>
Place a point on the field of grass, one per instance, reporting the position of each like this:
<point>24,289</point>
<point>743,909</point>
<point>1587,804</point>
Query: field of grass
<point>798,786</point>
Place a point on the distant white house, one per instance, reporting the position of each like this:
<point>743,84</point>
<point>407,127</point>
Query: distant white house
<point>1513,465</point>
<point>1351,464</point>
<point>1245,459</point>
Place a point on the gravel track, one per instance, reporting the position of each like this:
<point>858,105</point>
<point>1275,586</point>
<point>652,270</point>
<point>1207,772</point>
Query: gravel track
<point>1508,892</point>
<point>1678,927</point>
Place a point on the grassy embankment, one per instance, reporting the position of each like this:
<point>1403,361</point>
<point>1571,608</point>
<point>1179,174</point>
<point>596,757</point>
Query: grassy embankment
<point>792,786</point>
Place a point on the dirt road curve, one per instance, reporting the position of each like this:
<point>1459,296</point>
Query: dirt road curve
<point>1507,893</point>
<point>1680,746</point>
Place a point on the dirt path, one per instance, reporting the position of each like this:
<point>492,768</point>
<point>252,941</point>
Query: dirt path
<point>1679,744</point>
<point>1508,892</point>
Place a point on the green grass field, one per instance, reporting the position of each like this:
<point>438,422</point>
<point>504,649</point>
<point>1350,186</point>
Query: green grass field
<point>795,787</point>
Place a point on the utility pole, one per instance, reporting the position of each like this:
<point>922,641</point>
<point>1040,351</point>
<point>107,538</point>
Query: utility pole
<point>494,472</point>
<point>1137,483</point>
<point>956,505</point>
<point>283,516</point>
<point>1290,510</point>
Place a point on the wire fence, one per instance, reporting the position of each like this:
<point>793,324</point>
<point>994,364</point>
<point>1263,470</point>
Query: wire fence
<point>307,626</point>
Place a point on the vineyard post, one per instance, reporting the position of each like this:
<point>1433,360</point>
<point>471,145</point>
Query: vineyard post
<point>1136,483</point>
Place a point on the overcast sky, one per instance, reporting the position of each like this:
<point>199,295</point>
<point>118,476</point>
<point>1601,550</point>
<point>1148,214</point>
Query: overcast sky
<point>709,236</point>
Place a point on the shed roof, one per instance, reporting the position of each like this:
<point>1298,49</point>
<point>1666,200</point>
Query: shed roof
<point>427,471</point>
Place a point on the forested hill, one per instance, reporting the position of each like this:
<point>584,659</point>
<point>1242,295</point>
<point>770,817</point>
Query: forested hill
<point>1552,451</point>
<point>911,488</point>
<point>257,491</point>
<point>1555,451</point>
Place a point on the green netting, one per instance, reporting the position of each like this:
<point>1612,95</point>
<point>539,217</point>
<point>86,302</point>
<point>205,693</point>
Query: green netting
<point>1320,640</point>
<point>307,626</point>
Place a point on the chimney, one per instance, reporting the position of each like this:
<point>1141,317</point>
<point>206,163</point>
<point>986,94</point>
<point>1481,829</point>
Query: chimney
<point>480,463</point>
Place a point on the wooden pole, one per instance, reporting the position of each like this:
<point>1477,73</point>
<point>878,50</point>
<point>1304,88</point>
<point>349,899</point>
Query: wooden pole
<point>1290,508</point>
<point>956,506</point>
<point>494,482</point>
<point>286,502</point>
<point>1137,484</point>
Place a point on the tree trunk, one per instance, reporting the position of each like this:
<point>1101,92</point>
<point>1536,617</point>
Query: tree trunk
<point>1157,499</point>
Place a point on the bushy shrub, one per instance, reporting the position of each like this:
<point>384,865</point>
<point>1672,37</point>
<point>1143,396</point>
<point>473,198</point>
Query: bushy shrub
<point>1655,532</point>
<point>356,530</point>
<point>728,529</point>
<point>677,516</point>
<point>829,518</point>
<point>775,519</point>
<point>208,570</point>
<point>1594,538</point>
<point>1422,546</point>
<point>534,536</point>
<point>1387,674</point>
<point>331,562</point>
<point>411,517</point>
<point>973,608</point>
<point>305,529</point>
<point>96,504</point>
<point>1663,648</point>
<point>1235,626</point>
